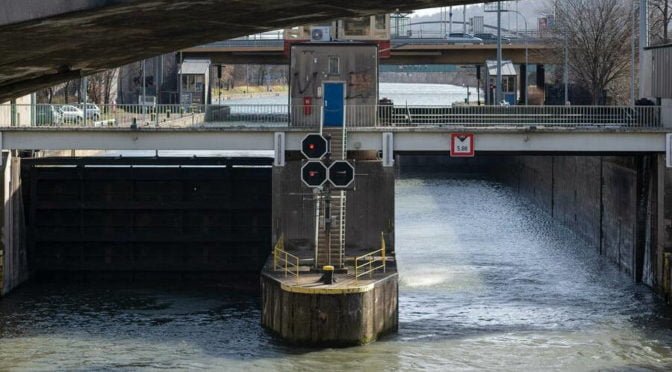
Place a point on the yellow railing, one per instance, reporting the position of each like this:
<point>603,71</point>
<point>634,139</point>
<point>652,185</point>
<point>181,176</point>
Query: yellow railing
<point>371,262</point>
<point>285,261</point>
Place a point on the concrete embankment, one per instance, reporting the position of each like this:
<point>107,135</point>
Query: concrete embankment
<point>620,205</point>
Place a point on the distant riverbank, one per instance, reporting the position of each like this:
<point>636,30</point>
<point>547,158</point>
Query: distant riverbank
<point>249,92</point>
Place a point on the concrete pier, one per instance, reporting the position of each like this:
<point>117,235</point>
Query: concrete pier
<point>362,304</point>
<point>350,312</point>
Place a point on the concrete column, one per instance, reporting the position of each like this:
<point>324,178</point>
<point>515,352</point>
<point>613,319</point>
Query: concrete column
<point>522,82</point>
<point>666,112</point>
<point>14,267</point>
<point>541,76</point>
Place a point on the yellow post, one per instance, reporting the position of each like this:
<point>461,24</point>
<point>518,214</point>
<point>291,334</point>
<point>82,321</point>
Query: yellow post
<point>383,248</point>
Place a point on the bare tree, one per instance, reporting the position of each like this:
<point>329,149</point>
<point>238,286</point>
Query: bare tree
<point>597,34</point>
<point>101,86</point>
<point>661,17</point>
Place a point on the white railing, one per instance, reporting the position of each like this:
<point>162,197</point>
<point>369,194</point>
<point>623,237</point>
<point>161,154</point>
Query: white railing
<point>300,116</point>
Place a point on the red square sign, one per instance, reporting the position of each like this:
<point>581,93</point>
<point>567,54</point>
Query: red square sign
<point>462,145</point>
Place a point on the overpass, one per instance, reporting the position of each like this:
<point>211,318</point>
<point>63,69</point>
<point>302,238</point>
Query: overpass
<point>405,51</point>
<point>47,42</point>
<point>399,129</point>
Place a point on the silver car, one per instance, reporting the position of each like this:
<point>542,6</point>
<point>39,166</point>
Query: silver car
<point>461,38</point>
<point>71,114</point>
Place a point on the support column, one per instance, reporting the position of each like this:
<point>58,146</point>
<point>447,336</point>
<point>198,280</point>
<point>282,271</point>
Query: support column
<point>541,77</point>
<point>522,83</point>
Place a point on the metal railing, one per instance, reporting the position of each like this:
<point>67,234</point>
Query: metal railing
<point>285,261</point>
<point>371,262</point>
<point>524,116</point>
<point>300,116</point>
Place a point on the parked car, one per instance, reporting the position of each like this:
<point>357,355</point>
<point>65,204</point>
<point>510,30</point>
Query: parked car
<point>461,38</point>
<point>48,115</point>
<point>489,38</point>
<point>71,114</point>
<point>92,111</point>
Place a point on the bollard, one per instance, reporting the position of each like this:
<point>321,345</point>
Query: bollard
<point>328,277</point>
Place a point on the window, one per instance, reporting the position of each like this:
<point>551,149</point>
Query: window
<point>334,65</point>
<point>357,26</point>
<point>380,22</point>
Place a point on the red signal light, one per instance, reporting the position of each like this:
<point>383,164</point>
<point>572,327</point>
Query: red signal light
<point>311,146</point>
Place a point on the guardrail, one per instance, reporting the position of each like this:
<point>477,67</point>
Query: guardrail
<point>371,262</point>
<point>302,116</point>
<point>285,261</point>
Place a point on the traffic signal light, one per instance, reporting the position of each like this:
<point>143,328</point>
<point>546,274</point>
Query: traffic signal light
<point>341,174</point>
<point>314,146</point>
<point>314,174</point>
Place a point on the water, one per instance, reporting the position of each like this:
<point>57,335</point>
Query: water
<point>486,282</point>
<point>399,93</point>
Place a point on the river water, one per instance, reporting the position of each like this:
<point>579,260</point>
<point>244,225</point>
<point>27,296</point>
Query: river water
<point>487,281</point>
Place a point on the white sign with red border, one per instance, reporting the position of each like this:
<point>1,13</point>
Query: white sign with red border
<point>462,145</point>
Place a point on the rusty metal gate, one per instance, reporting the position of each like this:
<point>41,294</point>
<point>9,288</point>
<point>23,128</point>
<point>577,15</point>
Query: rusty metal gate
<point>147,214</point>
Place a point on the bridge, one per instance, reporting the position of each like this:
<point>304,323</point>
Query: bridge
<point>602,171</point>
<point>405,51</point>
<point>412,129</point>
<point>45,43</point>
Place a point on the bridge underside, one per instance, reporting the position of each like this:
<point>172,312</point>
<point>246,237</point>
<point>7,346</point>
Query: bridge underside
<point>44,43</point>
<point>439,55</point>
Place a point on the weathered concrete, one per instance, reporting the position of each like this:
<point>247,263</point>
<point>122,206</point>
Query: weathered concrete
<point>13,247</point>
<point>46,42</point>
<point>260,136</point>
<point>606,200</point>
<point>620,205</point>
<point>370,207</point>
<point>353,315</point>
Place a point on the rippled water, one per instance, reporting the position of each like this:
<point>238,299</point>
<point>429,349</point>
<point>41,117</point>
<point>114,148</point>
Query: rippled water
<point>486,282</point>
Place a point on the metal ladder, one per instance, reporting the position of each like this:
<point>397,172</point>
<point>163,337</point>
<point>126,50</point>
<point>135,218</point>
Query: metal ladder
<point>331,243</point>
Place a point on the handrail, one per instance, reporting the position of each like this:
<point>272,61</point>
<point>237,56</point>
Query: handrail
<point>370,259</point>
<point>285,261</point>
<point>300,116</point>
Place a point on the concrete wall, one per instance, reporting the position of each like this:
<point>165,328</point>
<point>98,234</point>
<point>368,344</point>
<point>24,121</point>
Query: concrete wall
<point>370,206</point>
<point>13,248</point>
<point>342,319</point>
<point>620,205</point>
<point>600,198</point>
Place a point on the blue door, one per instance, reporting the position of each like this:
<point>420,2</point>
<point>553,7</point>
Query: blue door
<point>334,104</point>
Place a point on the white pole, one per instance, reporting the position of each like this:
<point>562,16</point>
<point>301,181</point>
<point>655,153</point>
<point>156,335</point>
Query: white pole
<point>643,41</point>
<point>498,91</point>
<point>632,56</point>
<point>464,19</point>
<point>450,24</point>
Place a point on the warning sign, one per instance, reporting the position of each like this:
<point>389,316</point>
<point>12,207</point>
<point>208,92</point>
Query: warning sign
<point>462,145</point>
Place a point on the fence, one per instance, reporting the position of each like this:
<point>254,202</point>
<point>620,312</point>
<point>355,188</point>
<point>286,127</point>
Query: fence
<point>371,262</point>
<point>285,261</point>
<point>301,116</point>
